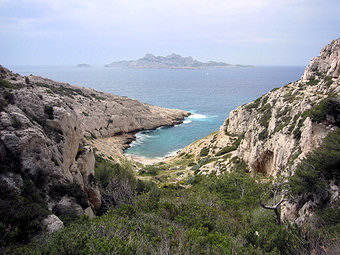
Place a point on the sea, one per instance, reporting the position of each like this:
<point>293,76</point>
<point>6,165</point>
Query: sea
<point>209,94</point>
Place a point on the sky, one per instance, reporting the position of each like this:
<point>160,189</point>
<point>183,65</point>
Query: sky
<point>257,32</point>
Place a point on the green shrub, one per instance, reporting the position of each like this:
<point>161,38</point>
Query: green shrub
<point>16,122</point>
<point>117,183</point>
<point>226,150</point>
<point>7,84</point>
<point>319,112</point>
<point>49,112</point>
<point>217,215</point>
<point>313,81</point>
<point>319,168</point>
<point>329,80</point>
<point>263,134</point>
<point>63,91</point>
<point>21,213</point>
<point>230,148</point>
<point>9,97</point>
<point>254,104</point>
<point>265,117</point>
<point>204,152</point>
<point>149,170</point>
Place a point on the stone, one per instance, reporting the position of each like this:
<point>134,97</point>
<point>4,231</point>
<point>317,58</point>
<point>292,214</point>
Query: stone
<point>53,223</point>
<point>68,206</point>
<point>88,211</point>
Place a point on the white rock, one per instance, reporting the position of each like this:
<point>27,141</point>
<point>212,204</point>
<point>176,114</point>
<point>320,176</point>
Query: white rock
<point>53,223</point>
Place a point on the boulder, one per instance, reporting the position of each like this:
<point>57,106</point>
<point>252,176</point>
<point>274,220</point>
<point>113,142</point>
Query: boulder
<point>53,223</point>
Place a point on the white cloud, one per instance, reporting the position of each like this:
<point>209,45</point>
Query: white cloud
<point>166,25</point>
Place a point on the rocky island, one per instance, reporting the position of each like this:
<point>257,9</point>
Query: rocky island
<point>171,61</point>
<point>84,65</point>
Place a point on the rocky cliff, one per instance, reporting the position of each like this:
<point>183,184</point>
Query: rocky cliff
<point>272,134</point>
<point>43,130</point>
<point>282,126</point>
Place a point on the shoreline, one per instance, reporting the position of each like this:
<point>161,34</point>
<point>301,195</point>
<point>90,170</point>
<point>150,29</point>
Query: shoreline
<point>131,136</point>
<point>114,147</point>
<point>150,161</point>
<point>144,160</point>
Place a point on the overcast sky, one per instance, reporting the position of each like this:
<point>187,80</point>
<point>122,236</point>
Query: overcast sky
<point>259,32</point>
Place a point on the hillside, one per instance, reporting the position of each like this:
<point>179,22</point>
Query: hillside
<point>47,164</point>
<point>274,133</point>
<point>267,182</point>
<point>170,61</point>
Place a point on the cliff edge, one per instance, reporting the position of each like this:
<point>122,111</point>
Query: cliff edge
<point>275,133</point>
<point>45,156</point>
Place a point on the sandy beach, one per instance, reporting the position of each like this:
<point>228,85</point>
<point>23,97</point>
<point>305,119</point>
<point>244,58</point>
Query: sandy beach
<point>145,160</point>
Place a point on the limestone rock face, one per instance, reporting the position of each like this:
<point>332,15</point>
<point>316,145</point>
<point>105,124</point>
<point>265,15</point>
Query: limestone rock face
<point>105,115</point>
<point>327,63</point>
<point>44,129</point>
<point>276,131</point>
<point>53,223</point>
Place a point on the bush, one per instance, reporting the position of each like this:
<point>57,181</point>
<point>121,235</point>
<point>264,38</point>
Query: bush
<point>149,170</point>
<point>6,84</point>
<point>71,190</point>
<point>21,213</point>
<point>117,183</point>
<point>204,152</point>
<point>320,167</point>
<point>318,113</point>
<point>313,81</point>
<point>217,215</point>
<point>49,112</point>
<point>265,117</point>
<point>230,148</point>
<point>9,97</point>
<point>263,135</point>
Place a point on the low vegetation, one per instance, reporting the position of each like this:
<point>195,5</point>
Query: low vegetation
<point>319,168</point>
<point>217,215</point>
<point>204,152</point>
<point>8,85</point>
<point>230,148</point>
<point>63,91</point>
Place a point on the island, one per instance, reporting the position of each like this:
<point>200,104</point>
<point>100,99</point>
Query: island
<point>84,65</point>
<point>170,61</point>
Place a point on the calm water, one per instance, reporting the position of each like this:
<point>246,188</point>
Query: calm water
<point>208,93</point>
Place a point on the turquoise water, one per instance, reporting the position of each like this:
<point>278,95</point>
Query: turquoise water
<point>210,94</point>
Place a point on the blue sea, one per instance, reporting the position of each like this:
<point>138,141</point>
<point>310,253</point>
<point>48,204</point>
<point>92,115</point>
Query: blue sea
<point>210,94</point>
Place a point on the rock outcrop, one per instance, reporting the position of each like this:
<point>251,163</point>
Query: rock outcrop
<point>272,134</point>
<point>43,130</point>
<point>278,128</point>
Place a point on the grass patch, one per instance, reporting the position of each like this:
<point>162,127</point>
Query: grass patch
<point>319,168</point>
<point>328,80</point>
<point>230,148</point>
<point>254,105</point>
<point>63,91</point>
<point>313,81</point>
<point>204,152</point>
<point>8,85</point>
<point>319,112</point>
